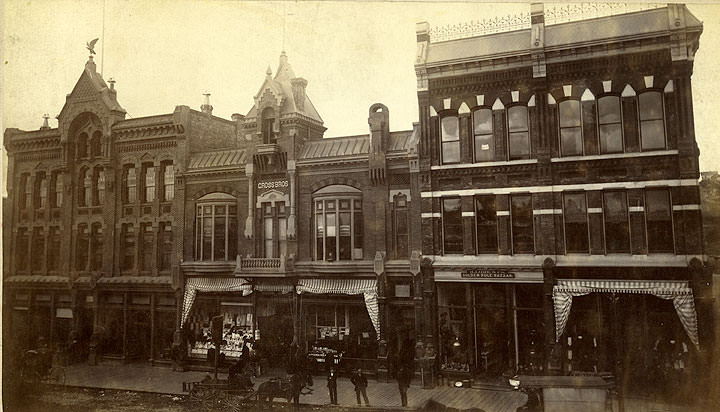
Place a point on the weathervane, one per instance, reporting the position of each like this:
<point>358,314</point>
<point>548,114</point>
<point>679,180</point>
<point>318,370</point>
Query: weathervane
<point>91,45</point>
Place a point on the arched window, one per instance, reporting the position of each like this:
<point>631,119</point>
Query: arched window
<point>518,133</point>
<point>450,137</point>
<point>338,223</point>
<point>483,132</point>
<point>652,123</point>
<point>269,128</point>
<point>216,227</point>
<point>610,124</point>
<point>570,128</point>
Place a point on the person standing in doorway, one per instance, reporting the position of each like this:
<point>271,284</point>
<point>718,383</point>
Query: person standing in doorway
<point>360,381</point>
<point>332,386</point>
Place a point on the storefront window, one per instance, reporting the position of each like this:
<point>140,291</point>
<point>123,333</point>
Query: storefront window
<point>111,342</point>
<point>216,227</point>
<point>455,344</point>
<point>237,326</point>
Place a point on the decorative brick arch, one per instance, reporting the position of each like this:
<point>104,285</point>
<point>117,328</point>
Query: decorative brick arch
<point>335,180</point>
<point>213,189</point>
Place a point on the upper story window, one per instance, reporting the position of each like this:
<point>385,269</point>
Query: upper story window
<point>486,220</point>
<point>269,128</point>
<point>570,128</point>
<point>617,226</point>
<point>26,191</point>
<point>338,223</point>
<point>168,173</point>
<point>450,137</point>
<point>658,215</point>
<point>652,123</point>
<point>85,189</point>
<point>523,240</point>
<point>38,249</point>
<point>22,249</point>
<point>274,229</point>
<point>130,184</point>
<point>82,145</point>
<point>401,227</point>
<point>148,183</point>
<point>99,186</point>
<point>518,133</point>
<point>452,225</point>
<point>82,247</point>
<point>128,243</point>
<point>610,124</point>
<point>95,148</point>
<point>54,244</point>
<point>576,223</point>
<point>96,246</point>
<point>148,247</point>
<point>41,190</point>
<point>57,188</point>
<point>165,246</point>
<point>483,132</point>
<point>216,227</point>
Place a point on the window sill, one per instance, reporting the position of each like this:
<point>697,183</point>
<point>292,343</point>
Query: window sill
<point>484,164</point>
<point>614,156</point>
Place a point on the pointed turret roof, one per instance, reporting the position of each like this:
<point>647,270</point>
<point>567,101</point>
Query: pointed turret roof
<point>91,84</point>
<point>282,88</point>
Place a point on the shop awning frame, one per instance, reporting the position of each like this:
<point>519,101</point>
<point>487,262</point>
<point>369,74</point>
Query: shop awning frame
<point>677,291</point>
<point>204,284</point>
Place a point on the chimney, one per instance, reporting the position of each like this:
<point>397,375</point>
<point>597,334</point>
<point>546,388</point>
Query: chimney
<point>206,107</point>
<point>46,125</point>
<point>537,39</point>
<point>298,90</point>
<point>111,81</point>
<point>90,65</point>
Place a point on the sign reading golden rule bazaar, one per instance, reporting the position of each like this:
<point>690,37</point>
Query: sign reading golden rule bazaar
<point>482,273</point>
<point>281,185</point>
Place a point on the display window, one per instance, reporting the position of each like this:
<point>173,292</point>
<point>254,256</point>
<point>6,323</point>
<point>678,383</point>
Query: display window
<point>237,327</point>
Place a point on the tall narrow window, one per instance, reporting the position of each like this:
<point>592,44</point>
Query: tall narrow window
<point>216,227</point>
<point>617,227</point>
<point>85,192</point>
<point>570,128</point>
<point>82,247</point>
<point>148,247</point>
<point>268,126</point>
<point>99,187</point>
<point>54,244</point>
<point>450,136</point>
<point>659,221</point>
<point>149,182</point>
<point>610,124</point>
<point>268,230</point>
<point>576,224</point>
<point>401,226</point>
<point>168,182</point>
<point>95,144</point>
<point>452,225</point>
<point>522,224</point>
<point>130,184</point>
<point>128,247</point>
<point>96,247</point>
<point>166,246</point>
<point>82,145</point>
<point>282,229</point>
<point>26,191</point>
<point>486,218</point>
<point>518,137</point>
<point>483,131</point>
<point>38,249</point>
<point>57,190</point>
<point>41,184</point>
<point>23,249</point>
<point>338,225</point>
<point>652,123</point>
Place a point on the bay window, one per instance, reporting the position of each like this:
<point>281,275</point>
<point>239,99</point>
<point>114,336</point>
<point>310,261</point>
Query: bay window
<point>450,137</point>
<point>452,225</point>
<point>576,223</point>
<point>570,128</point>
<point>610,124</point>
<point>483,132</point>
<point>518,133</point>
<point>216,227</point>
<point>338,223</point>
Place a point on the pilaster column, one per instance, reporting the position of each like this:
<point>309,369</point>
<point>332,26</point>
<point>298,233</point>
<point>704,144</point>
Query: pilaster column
<point>249,222</point>
<point>291,229</point>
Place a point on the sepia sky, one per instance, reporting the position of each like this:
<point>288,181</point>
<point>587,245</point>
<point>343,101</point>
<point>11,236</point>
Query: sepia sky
<point>165,53</point>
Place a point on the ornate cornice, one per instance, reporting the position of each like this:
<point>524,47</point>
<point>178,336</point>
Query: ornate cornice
<point>136,146</point>
<point>150,131</point>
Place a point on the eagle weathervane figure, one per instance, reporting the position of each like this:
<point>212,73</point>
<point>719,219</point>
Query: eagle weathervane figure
<point>91,45</point>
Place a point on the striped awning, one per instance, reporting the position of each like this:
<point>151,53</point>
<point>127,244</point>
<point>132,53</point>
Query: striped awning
<point>193,285</point>
<point>266,286</point>
<point>366,287</point>
<point>677,291</point>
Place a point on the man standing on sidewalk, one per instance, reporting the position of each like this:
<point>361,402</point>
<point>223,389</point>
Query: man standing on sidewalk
<point>360,382</point>
<point>332,386</point>
<point>403,378</point>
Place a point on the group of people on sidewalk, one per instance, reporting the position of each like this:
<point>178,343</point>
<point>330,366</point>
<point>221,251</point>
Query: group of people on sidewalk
<point>360,382</point>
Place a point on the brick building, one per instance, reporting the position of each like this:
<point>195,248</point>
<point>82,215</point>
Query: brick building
<point>128,235</point>
<point>559,194</point>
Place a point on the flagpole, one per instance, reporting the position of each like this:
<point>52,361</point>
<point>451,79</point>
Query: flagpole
<point>102,56</point>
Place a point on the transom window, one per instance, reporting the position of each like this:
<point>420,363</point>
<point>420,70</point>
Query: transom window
<point>483,131</point>
<point>570,128</point>
<point>216,227</point>
<point>518,135</point>
<point>652,123</point>
<point>610,124</point>
<point>338,223</point>
<point>450,137</point>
